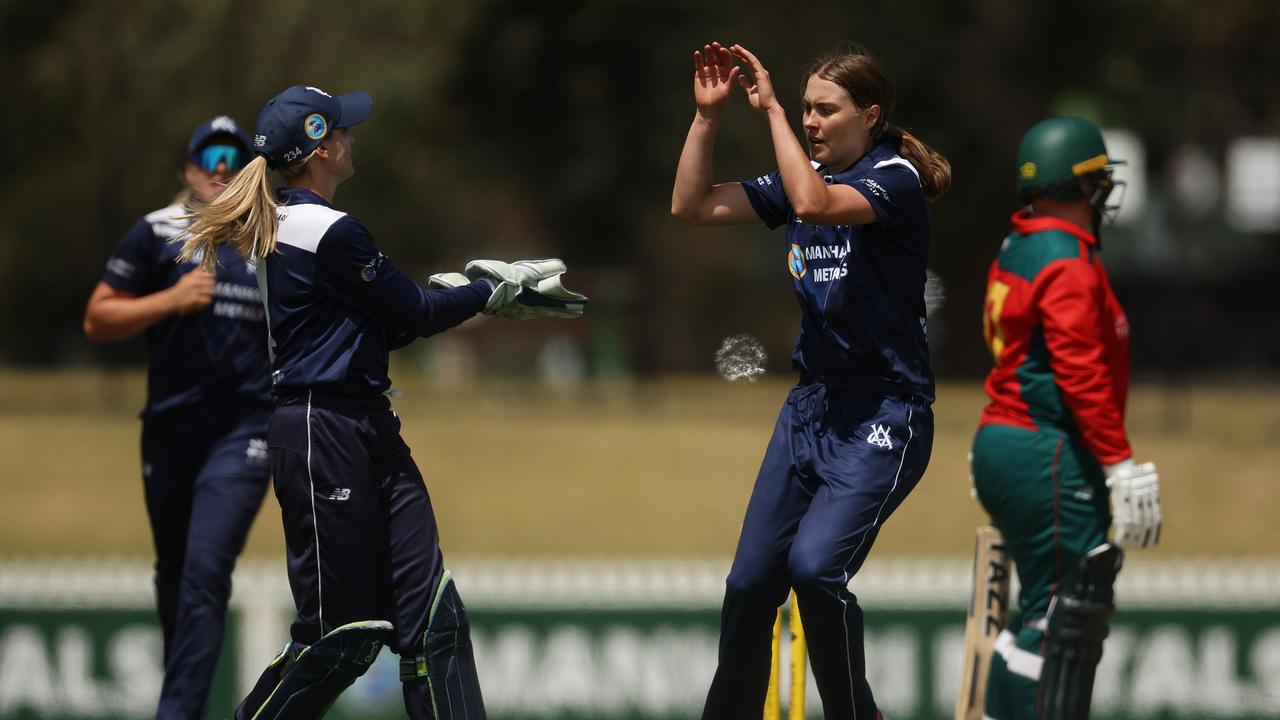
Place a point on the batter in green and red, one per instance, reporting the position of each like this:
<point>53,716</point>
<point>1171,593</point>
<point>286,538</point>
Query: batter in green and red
<point>1051,449</point>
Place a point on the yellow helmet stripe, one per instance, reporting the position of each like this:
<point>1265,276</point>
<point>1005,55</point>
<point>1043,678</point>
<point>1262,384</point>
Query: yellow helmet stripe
<point>1097,162</point>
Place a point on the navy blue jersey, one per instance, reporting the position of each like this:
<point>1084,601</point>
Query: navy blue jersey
<point>860,287</point>
<point>215,357</point>
<point>337,307</point>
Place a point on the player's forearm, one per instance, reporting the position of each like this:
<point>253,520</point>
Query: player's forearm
<point>694,173</point>
<point>118,318</point>
<point>806,191</point>
<point>1086,391</point>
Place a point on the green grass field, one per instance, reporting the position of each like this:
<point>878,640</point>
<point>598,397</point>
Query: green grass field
<point>634,469</point>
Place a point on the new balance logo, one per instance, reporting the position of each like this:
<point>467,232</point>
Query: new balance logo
<point>340,494</point>
<point>880,437</point>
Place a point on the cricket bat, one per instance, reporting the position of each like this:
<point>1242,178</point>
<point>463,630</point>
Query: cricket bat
<point>988,612</point>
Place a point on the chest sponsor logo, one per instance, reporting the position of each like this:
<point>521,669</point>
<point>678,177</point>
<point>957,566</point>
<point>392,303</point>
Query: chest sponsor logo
<point>827,274</point>
<point>795,262</point>
<point>798,260</point>
<point>238,302</point>
<point>340,494</point>
<point>879,436</point>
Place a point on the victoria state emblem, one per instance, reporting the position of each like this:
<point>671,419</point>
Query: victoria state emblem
<point>315,126</point>
<point>795,262</point>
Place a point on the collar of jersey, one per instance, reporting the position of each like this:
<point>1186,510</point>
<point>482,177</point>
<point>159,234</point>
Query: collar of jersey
<point>879,151</point>
<point>1024,223</point>
<point>300,196</point>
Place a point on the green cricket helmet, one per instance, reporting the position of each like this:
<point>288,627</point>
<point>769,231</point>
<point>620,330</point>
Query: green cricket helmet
<point>1057,151</point>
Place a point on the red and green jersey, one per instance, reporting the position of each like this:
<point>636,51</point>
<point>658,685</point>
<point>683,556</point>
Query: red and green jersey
<point>1059,337</point>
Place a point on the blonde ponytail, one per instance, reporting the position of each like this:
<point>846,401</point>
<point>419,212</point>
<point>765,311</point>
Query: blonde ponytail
<point>244,214</point>
<point>935,171</point>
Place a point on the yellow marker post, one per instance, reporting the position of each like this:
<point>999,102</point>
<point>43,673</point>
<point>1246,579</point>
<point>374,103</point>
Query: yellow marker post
<point>799,656</point>
<point>798,675</point>
<point>773,700</point>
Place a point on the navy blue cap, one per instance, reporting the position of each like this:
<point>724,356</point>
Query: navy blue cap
<point>295,122</point>
<point>211,128</point>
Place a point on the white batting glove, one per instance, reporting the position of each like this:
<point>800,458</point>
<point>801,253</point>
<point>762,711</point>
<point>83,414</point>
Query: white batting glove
<point>1135,503</point>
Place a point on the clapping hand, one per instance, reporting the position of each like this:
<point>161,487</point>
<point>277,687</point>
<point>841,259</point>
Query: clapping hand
<point>713,72</point>
<point>759,87</point>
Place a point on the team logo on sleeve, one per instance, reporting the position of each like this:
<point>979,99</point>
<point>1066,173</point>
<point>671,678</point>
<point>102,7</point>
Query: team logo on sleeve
<point>370,270</point>
<point>876,188</point>
<point>795,262</point>
<point>315,126</point>
<point>120,266</point>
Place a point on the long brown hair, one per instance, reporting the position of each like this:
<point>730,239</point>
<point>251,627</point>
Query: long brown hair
<point>861,75</point>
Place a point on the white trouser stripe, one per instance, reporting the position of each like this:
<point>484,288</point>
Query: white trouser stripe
<point>845,619</point>
<point>1020,662</point>
<point>315,521</point>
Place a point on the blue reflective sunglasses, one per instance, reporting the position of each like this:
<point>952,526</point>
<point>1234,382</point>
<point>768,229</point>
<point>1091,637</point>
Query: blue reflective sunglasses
<point>211,156</point>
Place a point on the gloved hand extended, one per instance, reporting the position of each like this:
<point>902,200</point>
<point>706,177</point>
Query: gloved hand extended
<point>521,290</point>
<point>1135,503</point>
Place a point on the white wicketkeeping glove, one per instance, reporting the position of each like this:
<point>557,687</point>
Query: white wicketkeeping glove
<point>525,289</point>
<point>1135,503</point>
<point>552,299</point>
<point>447,281</point>
<point>508,279</point>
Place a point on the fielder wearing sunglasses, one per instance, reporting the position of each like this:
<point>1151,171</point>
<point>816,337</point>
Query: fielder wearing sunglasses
<point>213,155</point>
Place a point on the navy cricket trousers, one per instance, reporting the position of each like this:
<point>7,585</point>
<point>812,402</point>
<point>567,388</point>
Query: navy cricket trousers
<point>360,533</point>
<point>837,466</point>
<point>204,476</point>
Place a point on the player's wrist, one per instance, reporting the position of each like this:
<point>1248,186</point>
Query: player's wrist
<point>708,116</point>
<point>1122,467</point>
<point>170,301</point>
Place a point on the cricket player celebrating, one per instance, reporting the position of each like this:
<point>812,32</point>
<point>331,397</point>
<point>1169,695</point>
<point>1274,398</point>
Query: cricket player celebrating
<point>855,434</point>
<point>362,542</point>
<point>1052,439</point>
<point>204,455</point>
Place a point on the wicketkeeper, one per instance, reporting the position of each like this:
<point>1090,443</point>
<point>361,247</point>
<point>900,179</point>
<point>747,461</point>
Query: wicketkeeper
<point>1051,460</point>
<point>363,547</point>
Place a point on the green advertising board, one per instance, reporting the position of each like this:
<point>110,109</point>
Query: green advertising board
<point>577,645</point>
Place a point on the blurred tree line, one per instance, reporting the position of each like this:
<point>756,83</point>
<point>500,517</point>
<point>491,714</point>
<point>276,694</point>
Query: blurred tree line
<point>508,128</point>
